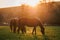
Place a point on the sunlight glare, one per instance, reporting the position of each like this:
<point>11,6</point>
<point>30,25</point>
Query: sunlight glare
<point>31,2</point>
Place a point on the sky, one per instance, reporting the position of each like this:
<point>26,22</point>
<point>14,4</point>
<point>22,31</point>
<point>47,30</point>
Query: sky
<point>10,3</point>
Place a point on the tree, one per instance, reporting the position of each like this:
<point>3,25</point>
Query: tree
<point>1,18</point>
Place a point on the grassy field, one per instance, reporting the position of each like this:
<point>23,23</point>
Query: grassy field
<point>51,33</point>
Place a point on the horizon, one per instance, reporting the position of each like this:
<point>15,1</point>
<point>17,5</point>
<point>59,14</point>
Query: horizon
<point>13,3</point>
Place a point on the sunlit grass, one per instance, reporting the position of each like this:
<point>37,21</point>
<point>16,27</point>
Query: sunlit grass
<point>51,33</point>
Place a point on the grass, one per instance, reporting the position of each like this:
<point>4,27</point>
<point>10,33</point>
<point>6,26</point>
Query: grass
<point>51,33</point>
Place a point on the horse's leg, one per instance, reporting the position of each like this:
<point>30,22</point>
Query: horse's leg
<point>23,29</point>
<point>14,29</point>
<point>34,29</point>
<point>18,30</point>
<point>11,27</point>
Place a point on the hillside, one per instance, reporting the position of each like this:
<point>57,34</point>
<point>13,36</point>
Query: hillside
<point>47,12</point>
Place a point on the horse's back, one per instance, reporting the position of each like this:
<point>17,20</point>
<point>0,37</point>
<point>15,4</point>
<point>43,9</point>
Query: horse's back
<point>29,21</point>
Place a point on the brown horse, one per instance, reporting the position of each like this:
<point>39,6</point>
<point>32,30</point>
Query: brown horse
<point>13,25</point>
<point>31,22</point>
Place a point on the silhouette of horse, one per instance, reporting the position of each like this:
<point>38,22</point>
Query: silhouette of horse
<point>13,25</point>
<point>31,22</point>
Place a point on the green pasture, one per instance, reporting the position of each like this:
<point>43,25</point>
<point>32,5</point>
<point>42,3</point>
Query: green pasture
<point>51,33</point>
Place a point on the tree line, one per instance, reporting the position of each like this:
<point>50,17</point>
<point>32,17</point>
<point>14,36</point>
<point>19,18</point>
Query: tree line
<point>49,13</point>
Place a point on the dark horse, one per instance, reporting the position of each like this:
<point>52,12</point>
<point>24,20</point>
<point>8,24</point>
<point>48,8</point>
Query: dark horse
<point>13,25</point>
<point>31,22</point>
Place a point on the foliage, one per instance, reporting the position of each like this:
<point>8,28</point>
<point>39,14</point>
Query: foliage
<point>48,12</point>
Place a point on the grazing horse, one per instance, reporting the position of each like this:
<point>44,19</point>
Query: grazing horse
<point>31,22</point>
<point>13,25</point>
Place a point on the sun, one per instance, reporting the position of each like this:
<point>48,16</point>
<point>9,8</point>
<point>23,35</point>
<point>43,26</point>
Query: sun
<point>30,2</point>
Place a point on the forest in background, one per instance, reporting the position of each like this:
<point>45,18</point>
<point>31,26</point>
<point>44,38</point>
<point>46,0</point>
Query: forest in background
<point>49,13</point>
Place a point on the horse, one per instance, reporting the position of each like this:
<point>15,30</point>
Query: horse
<point>31,22</point>
<point>13,25</point>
